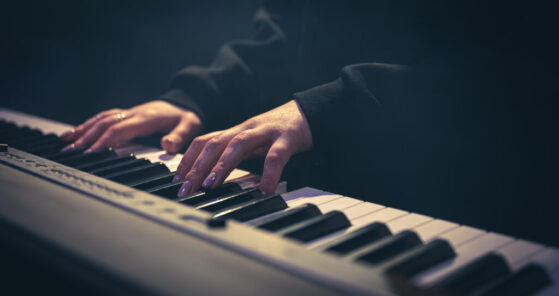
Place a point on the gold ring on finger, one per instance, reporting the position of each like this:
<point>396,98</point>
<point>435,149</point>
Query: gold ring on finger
<point>120,116</point>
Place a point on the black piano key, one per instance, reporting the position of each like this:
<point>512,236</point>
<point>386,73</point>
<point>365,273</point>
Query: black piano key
<point>95,165</point>
<point>86,158</point>
<point>420,259</point>
<point>288,217</point>
<point>356,239</point>
<point>231,200</point>
<point>6,125</point>
<point>387,248</point>
<point>254,209</point>
<point>169,190</point>
<point>46,149</point>
<point>207,195</point>
<point>474,275</point>
<point>24,140</point>
<point>316,227</point>
<point>136,174</point>
<point>18,134</point>
<point>62,154</point>
<point>153,182</point>
<point>119,167</point>
<point>39,141</point>
<point>528,280</point>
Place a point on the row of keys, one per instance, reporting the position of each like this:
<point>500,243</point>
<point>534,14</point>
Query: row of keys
<point>431,253</point>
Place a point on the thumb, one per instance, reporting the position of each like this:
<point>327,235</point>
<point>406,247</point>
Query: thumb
<point>184,131</point>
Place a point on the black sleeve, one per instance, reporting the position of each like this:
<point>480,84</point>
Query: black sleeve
<point>372,103</point>
<point>247,77</point>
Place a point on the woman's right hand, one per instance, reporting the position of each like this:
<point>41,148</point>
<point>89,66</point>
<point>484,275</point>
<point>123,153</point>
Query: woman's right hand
<point>109,128</point>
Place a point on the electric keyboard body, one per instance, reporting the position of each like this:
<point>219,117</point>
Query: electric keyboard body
<point>125,240</point>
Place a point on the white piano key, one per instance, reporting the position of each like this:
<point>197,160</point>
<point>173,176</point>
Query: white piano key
<point>432,229</point>
<point>338,204</point>
<point>44,125</point>
<point>549,259</point>
<point>173,165</point>
<point>383,215</point>
<point>308,195</point>
<point>130,148</point>
<point>154,154</point>
<point>407,222</point>
<point>466,253</point>
<point>363,209</point>
<point>517,252</point>
<point>461,235</point>
<point>237,173</point>
<point>395,225</point>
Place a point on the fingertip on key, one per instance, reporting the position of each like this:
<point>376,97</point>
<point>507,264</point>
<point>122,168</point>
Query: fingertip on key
<point>67,134</point>
<point>176,178</point>
<point>185,189</point>
<point>170,145</point>
<point>69,147</point>
<point>209,180</point>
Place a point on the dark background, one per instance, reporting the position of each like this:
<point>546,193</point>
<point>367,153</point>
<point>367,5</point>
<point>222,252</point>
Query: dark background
<point>67,60</point>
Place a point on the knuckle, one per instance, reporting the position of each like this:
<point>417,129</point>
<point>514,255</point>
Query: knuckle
<point>220,166</point>
<point>213,143</point>
<point>273,159</point>
<point>113,131</point>
<point>193,174</point>
<point>241,138</point>
<point>104,123</point>
<point>197,142</point>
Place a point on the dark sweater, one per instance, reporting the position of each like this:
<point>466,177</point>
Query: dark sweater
<point>436,107</point>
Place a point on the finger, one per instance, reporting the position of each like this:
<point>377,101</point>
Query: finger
<point>78,131</point>
<point>121,132</point>
<point>238,149</point>
<point>204,162</point>
<point>191,154</point>
<point>277,157</point>
<point>177,138</point>
<point>95,131</point>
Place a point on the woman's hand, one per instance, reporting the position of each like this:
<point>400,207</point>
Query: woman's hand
<point>112,127</point>
<point>278,134</point>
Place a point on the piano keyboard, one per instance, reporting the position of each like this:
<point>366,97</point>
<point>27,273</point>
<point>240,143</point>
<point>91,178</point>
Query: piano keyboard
<point>357,238</point>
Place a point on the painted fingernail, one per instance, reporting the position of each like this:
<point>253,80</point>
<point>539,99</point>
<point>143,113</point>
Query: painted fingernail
<point>185,189</point>
<point>88,150</point>
<point>176,178</point>
<point>209,180</point>
<point>69,147</point>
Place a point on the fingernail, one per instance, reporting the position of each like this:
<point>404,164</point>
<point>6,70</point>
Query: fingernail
<point>69,147</point>
<point>209,180</point>
<point>263,193</point>
<point>66,134</point>
<point>88,150</point>
<point>176,178</point>
<point>185,189</point>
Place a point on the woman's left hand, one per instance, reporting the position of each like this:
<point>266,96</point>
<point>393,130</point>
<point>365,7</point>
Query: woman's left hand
<point>279,134</point>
